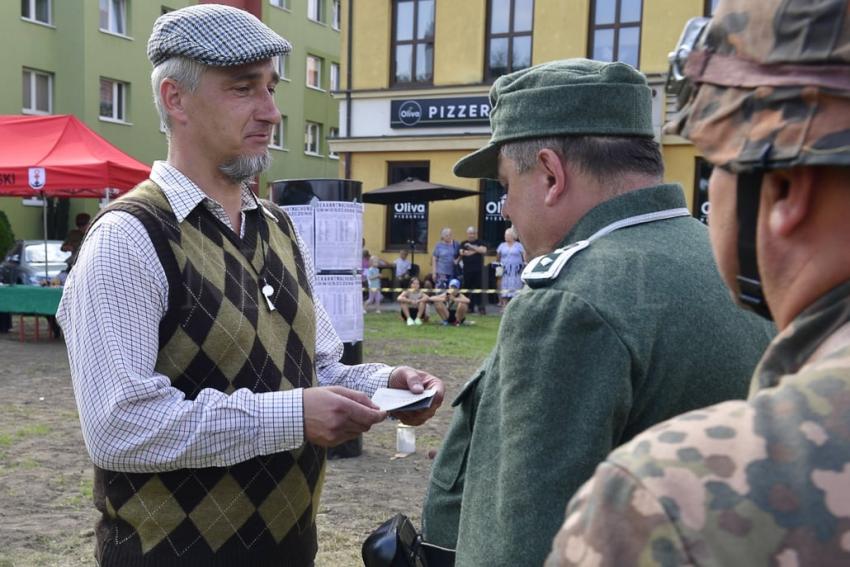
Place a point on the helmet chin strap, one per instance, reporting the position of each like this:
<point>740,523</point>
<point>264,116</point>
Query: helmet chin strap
<point>750,293</point>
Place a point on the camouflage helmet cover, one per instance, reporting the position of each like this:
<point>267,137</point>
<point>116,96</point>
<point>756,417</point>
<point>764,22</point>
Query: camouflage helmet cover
<point>773,85</point>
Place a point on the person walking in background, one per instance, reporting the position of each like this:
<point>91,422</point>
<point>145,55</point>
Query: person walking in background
<point>511,256</point>
<point>764,481</point>
<point>445,258</point>
<point>413,301</point>
<point>472,252</point>
<point>373,283</point>
<point>207,376</point>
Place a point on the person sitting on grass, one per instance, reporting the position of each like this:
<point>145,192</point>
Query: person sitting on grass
<point>452,305</point>
<point>413,298</point>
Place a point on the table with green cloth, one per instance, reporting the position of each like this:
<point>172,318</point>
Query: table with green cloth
<point>29,300</point>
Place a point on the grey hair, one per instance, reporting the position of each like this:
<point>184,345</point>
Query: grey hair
<point>183,71</point>
<point>605,158</point>
<point>445,232</point>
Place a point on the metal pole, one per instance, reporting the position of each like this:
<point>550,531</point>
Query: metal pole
<point>44,220</point>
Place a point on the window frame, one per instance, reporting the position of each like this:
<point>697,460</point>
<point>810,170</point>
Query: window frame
<point>320,61</point>
<point>34,11</point>
<point>281,4</point>
<point>333,77</point>
<point>279,131</point>
<point>336,14</point>
<point>413,43</point>
<point>318,140</point>
<point>320,16</point>
<point>390,246</point>
<point>509,35</point>
<point>617,26</point>
<point>125,20</point>
<point>32,110</point>
<point>122,88</point>
<point>333,133</point>
<point>283,66</point>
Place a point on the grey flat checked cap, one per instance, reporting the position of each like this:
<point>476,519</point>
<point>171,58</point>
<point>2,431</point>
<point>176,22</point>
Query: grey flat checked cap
<point>215,35</point>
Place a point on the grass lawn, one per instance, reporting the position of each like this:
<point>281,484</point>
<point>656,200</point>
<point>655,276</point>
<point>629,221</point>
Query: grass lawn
<point>472,342</point>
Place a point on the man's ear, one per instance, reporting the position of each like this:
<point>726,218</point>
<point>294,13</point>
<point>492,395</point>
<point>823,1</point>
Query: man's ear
<point>556,176</point>
<point>786,197</point>
<point>173,98</point>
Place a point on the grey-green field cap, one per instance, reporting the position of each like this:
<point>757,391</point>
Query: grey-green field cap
<point>562,98</point>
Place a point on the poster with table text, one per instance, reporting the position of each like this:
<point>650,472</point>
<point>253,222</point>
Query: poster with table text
<point>342,298</point>
<point>303,218</point>
<point>339,235</point>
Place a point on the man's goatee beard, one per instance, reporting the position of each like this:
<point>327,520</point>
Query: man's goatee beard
<point>242,169</point>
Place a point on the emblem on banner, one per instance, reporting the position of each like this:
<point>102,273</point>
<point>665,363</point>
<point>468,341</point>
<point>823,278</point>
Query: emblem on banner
<point>37,178</point>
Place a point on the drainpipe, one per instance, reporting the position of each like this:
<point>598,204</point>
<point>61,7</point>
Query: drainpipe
<point>350,43</point>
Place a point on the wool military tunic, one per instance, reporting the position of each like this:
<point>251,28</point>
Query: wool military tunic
<point>636,328</point>
<point>763,482</point>
<point>219,333</point>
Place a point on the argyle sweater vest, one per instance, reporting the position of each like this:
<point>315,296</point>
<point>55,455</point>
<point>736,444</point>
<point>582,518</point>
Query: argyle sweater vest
<point>218,332</point>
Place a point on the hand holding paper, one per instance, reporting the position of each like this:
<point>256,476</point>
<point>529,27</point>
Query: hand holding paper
<point>415,382</point>
<point>393,399</point>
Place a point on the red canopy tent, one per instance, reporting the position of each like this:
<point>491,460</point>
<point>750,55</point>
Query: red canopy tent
<point>76,161</point>
<point>59,156</point>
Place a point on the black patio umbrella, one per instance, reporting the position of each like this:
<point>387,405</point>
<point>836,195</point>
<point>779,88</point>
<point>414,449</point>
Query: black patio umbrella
<point>415,190</point>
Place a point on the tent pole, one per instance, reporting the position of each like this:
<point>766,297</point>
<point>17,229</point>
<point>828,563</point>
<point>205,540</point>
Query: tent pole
<point>44,219</point>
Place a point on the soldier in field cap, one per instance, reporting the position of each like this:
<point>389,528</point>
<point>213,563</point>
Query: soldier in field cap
<point>766,94</point>
<point>623,321</point>
<point>206,373</point>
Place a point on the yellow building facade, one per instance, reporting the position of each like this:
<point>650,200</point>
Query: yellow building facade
<point>414,83</point>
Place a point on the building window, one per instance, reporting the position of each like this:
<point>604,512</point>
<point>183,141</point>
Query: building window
<point>37,11</point>
<point>315,11</point>
<point>334,77</point>
<point>278,140</point>
<point>509,36</point>
<point>37,92</point>
<point>407,222</point>
<point>413,41</point>
<point>113,16</point>
<point>490,219</point>
<point>333,134</point>
<point>280,4</point>
<point>335,14</point>
<point>314,72</point>
<point>283,67</point>
<point>615,31</point>
<point>312,138</point>
<point>710,7</point>
<point>113,100</point>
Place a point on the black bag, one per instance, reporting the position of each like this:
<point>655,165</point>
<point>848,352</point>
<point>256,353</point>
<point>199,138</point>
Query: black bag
<point>397,544</point>
<point>394,544</point>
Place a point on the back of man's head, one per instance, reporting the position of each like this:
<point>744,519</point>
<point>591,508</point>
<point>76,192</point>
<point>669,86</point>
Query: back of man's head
<point>596,115</point>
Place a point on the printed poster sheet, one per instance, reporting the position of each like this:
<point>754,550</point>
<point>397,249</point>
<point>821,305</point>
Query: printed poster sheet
<point>339,235</point>
<point>302,218</point>
<point>342,298</point>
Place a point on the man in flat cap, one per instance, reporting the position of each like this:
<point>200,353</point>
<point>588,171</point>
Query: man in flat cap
<point>196,345</point>
<point>623,320</point>
<point>764,481</point>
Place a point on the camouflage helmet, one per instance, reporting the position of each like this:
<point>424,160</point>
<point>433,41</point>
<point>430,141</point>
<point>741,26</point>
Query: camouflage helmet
<point>771,85</point>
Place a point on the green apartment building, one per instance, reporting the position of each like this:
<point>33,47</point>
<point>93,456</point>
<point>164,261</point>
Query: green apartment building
<point>87,58</point>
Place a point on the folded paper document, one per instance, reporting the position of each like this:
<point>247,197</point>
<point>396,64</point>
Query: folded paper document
<point>393,399</point>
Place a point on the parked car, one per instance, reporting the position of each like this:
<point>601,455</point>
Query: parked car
<point>25,262</point>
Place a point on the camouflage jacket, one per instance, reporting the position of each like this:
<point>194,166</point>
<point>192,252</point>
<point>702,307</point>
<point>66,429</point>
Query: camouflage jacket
<point>762,482</point>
